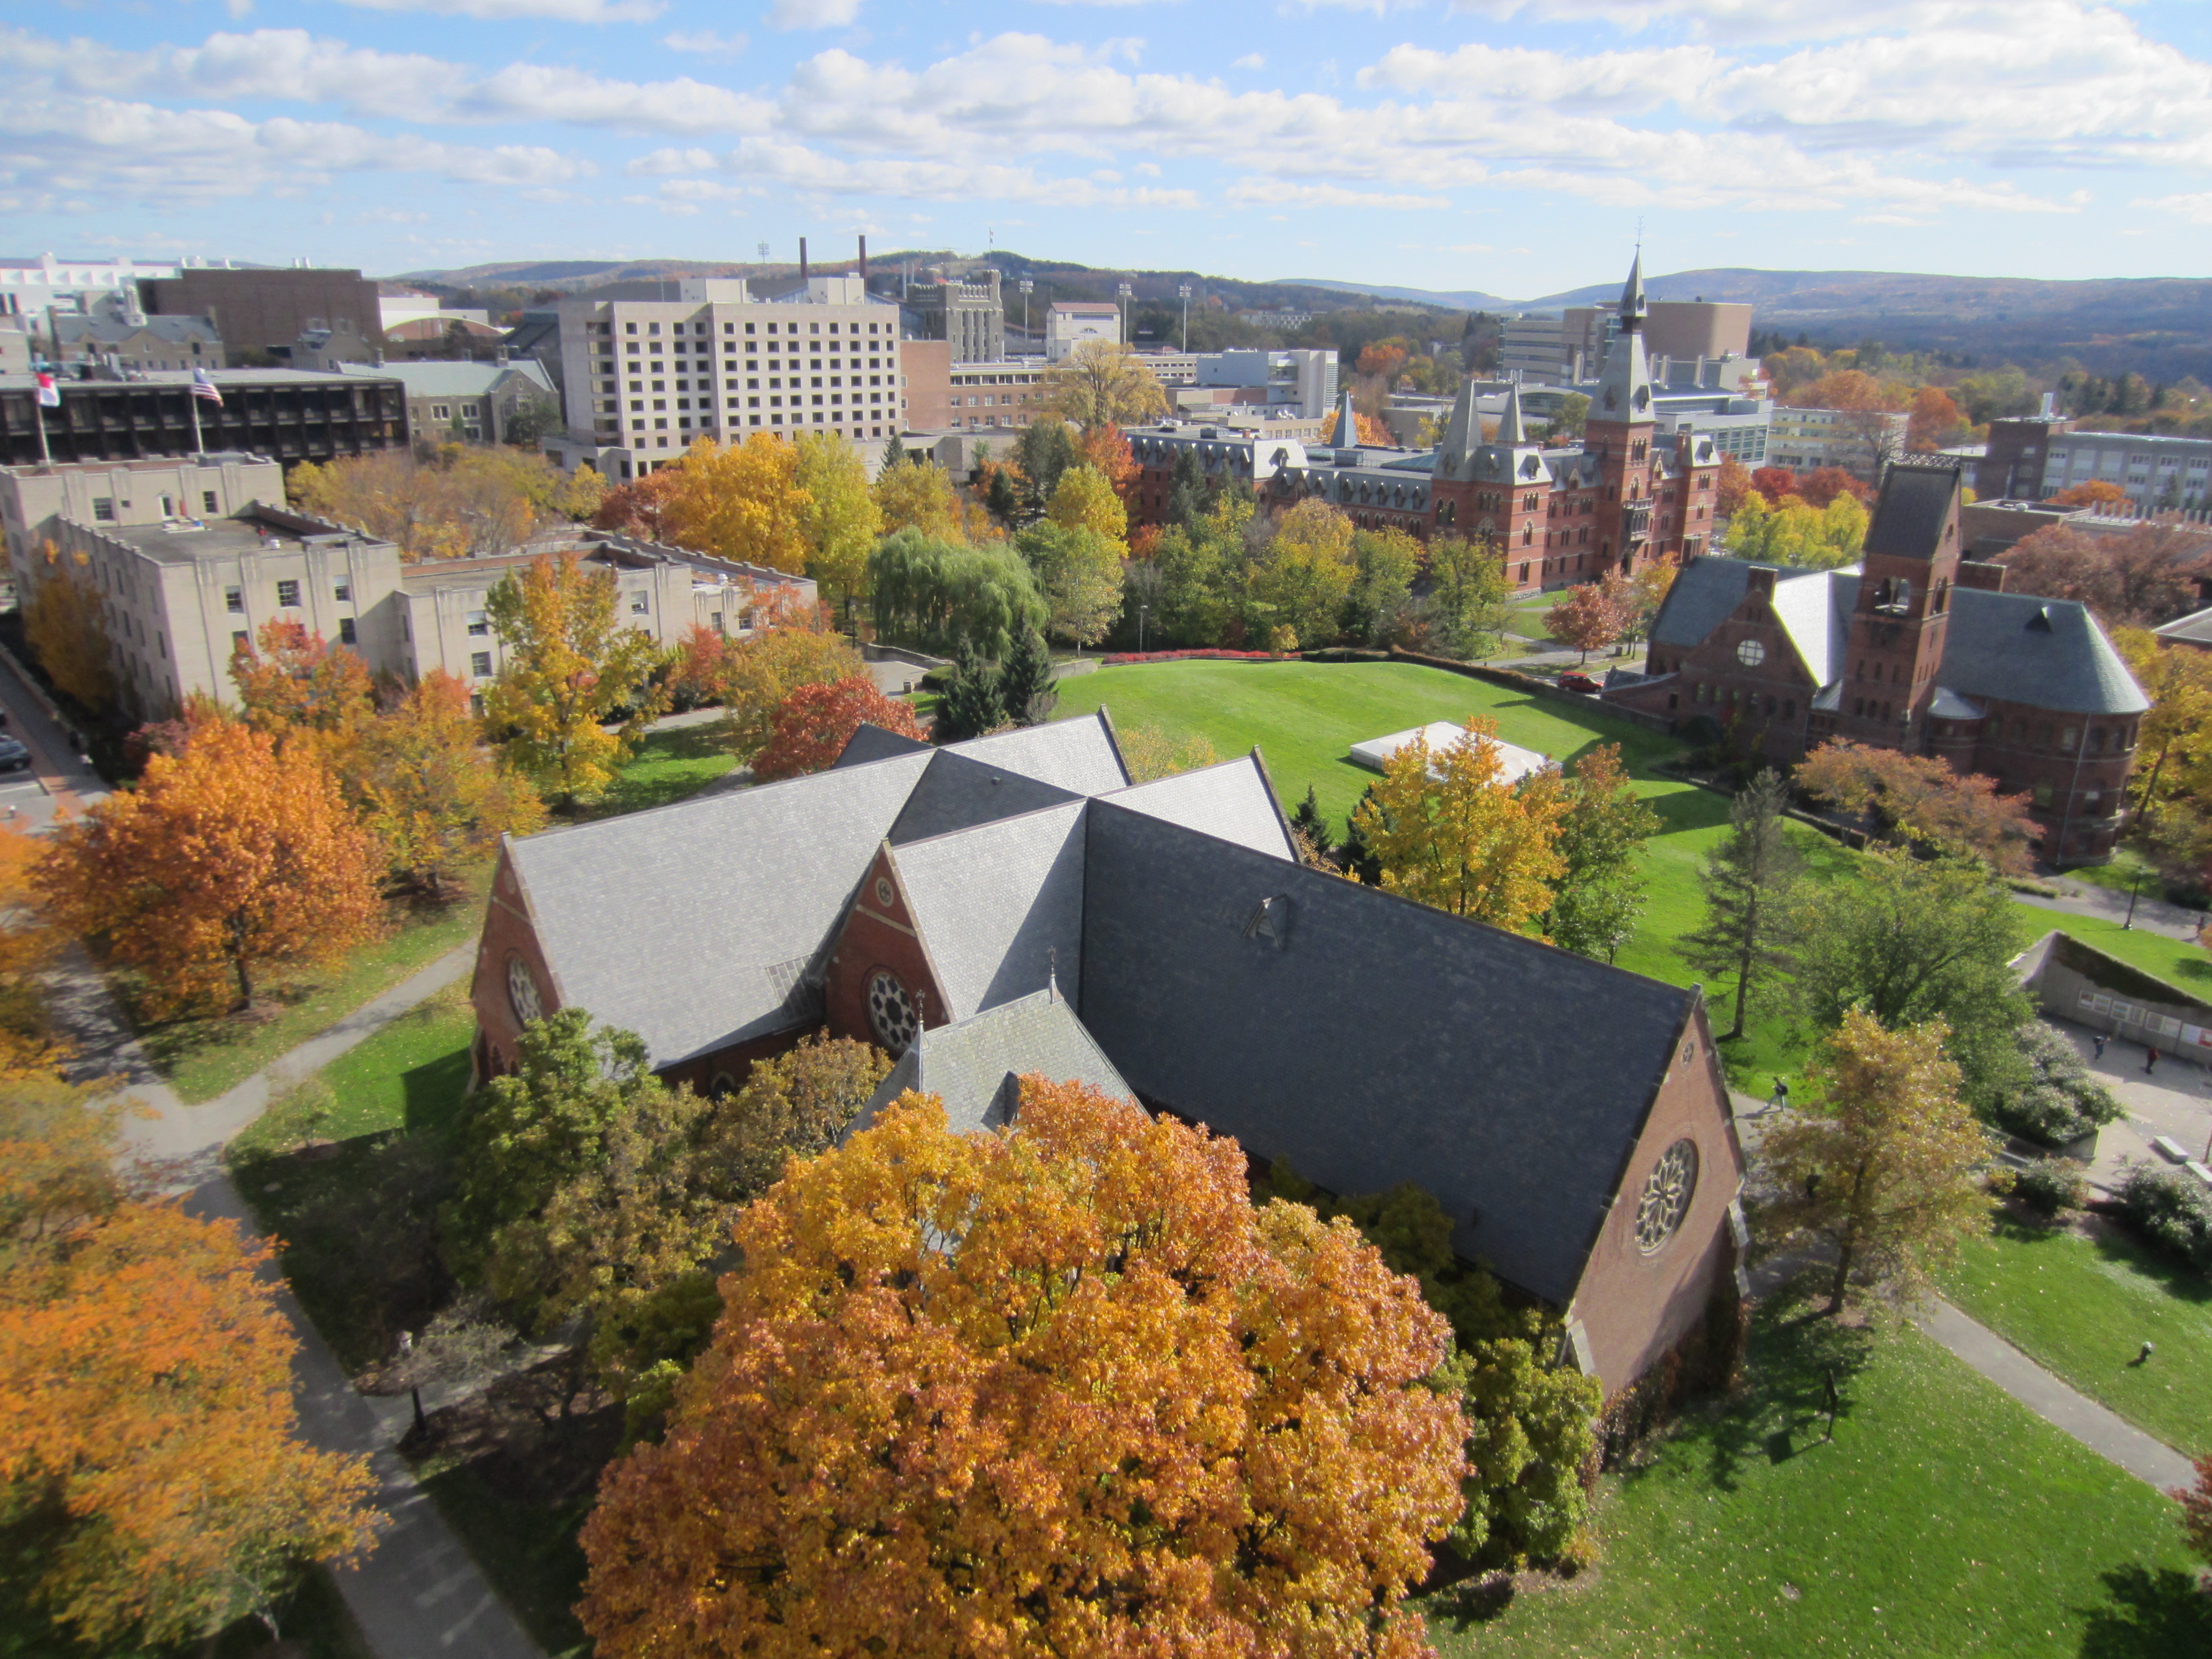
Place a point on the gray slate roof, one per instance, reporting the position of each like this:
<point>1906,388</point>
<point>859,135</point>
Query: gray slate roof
<point>2195,629</point>
<point>458,379</point>
<point>1910,513</point>
<point>976,1066</point>
<point>872,742</point>
<point>1232,801</point>
<point>1079,756</point>
<point>956,791</point>
<point>1369,1040</point>
<point>1994,650</point>
<point>994,903</point>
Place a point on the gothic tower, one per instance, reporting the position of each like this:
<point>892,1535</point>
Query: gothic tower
<point>1618,432</point>
<point>1894,649</point>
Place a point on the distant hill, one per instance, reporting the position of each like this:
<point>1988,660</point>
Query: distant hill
<point>1466,299</point>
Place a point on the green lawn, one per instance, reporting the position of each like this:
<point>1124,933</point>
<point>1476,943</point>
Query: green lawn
<point>665,767</point>
<point>2176,961</point>
<point>2083,1310</point>
<point>204,1057</point>
<point>1944,1519</point>
<point>313,1616</point>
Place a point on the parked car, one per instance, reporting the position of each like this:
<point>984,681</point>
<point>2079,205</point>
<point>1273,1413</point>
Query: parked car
<point>13,757</point>
<point>1572,681</point>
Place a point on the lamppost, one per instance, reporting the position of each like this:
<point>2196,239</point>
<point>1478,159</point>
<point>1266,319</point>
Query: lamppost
<point>2135,886</point>
<point>1182,292</point>
<point>1028,287</point>
<point>1122,292</point>
<point>1143,612</point>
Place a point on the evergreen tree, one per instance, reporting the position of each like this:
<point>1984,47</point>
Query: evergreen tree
<point>1003,500</point>
<point>1359,860</point>
<point>1308,822</point>
<point>971,704</point>
<point>894,453</point>
<point>1044,451</point>
<point>1747,880</point>
<point>1025,680</point>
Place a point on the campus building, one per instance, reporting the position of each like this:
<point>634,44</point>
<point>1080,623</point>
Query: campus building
<point>1015,905</point>
<point>1916,647</point>
<point>2036,458</point>
<point>287,414</point>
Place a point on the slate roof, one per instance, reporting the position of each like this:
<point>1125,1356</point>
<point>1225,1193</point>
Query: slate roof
<point>993,904</point>
<point>976,1066</point>
<point>2195,629</point>
<point>872,742</point>
<point>1993,650</point>
<point>1233,801</point>
<point>1910,513</point>
<point>956,792</point>
<point>1371,1041</point>
<point>444,380</point>
<point>1079,756</point>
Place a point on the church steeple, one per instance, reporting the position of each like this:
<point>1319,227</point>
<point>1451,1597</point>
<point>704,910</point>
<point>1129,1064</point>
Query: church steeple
<point>1462,434</point>
<point>1511,428</point>
<point>1632,296</point>
<point>1624,387</point>
<point>1347,422</point>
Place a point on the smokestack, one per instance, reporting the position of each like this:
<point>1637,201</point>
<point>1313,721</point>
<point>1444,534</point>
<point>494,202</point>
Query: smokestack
<point>802,258</point>
<point>864,263</point>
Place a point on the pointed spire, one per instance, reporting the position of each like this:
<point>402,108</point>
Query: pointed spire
<point>1463,432</point>
<point>1631,293</point>
<point>1347,422</point>
<point>1511,428</point>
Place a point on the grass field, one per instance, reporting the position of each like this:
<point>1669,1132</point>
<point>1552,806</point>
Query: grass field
<point>665,767</point>
<point>1944,1519</point>
<point>2176,961</point>
<point>2083,1310</point>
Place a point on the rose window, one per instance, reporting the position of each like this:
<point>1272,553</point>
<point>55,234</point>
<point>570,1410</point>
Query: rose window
<point>1751,654</point>
<point>522,991</point>
<point>891,1013</point>
<point>1666,1198</point>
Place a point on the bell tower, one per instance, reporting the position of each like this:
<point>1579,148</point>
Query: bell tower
<point>1894,649</point>
<point>1619,430</point>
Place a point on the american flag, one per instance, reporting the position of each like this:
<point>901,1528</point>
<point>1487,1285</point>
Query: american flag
<point>204,388</point>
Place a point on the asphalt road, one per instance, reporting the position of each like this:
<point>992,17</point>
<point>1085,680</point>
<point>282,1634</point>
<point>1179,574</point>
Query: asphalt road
<point>60,780</point>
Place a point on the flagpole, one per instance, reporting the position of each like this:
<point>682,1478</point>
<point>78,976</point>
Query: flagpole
<point>192,401</point>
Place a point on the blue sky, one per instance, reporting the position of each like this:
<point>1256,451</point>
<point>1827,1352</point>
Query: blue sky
<point>1511,146</point>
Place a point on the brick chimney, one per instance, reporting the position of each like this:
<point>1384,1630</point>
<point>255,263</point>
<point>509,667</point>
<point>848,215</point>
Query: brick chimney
<point>1991,577</point>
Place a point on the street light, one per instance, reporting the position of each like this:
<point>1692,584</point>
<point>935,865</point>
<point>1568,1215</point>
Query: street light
<point>1122,291</point>
<point>1182,292</point>
<point>1028,287</point>
<point>1143,612</point>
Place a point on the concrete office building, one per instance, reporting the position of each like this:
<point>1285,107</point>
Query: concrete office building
<point>1860,441</point>
<point>643,378</point>
<point>1073,323</point>
<point>1532,350</point>
<point>1698,328</point>
<point>268,311</point>
<point>2036,458</point>
<point>286,414</point>
<point>29,287</point>
<point>34,501</point>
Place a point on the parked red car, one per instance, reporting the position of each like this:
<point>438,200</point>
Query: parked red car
<point>1577,683</point>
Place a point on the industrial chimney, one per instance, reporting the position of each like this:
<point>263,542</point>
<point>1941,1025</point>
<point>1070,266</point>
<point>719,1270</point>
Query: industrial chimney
<point>864,265</point>
<point>802,258</point>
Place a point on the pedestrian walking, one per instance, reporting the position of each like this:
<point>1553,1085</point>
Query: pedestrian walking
<point>2151,1064</point>
<point>2098,1039</point>
<point>1780,1099</point>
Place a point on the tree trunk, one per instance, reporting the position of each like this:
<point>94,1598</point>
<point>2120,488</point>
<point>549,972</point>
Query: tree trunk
<point>244,972</point>
<point>1842,1280</point>
<point>421,1423</point>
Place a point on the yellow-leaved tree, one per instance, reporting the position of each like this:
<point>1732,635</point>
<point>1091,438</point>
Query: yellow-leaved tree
<point>1059,1389</point>
<point>1103,382</point>
<point>1450,830</point>
<point>66,623</point>
<point>919,496</point>
<point>1303,577</point>
<point>571,666</point>
<point>431,792</point>
<point>741,501</point>
<point>840,519</point>
<point>29,1044</point>
<point>1085,498</point>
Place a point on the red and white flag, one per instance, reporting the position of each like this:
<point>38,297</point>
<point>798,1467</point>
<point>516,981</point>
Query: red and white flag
<point>204,388</point>
<point>50,395</point>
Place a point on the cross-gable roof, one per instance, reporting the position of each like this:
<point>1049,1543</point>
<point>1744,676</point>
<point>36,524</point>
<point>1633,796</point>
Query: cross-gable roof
<point>996,906</point>
<point>1233,801</point>
<point>976,1066</point>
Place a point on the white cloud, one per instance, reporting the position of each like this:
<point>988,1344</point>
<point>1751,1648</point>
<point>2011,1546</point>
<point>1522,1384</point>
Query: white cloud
<point>705,43</point>
<point>2195,208</point>
<point>812,14</point>
<point>1250,60</point>
<point>1279,192</point>
<point>499,11</point>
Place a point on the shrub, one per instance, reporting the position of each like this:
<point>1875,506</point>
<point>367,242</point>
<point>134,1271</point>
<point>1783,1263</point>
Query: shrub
<point>1121,658</point>
<point>2172,1209</point>
<point>2062,1100</point>
<point>2050,1185</point>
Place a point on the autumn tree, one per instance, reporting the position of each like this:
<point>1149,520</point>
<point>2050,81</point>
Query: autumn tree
<point>572,666</point>
<point>1080,572</point>
<point>1731,487</point>
<point>2094,494</point>
<point>1647,592</point>
<point>1823,484</point>
<point>460,501</point>
<point>2172,794</point>
<point>1150,754</point>
<point>1748,881</point>
<point>65,620</point>
<point>817,721</point>
<point>225,860</point>
<point>640,506</point>
<point>793,1105</point>
<point>1305,572</point>
<point>1450,830</point>
<point>1599,891</point>
<point>2197,1509</point>
<point>1591,617</point>
<point>296,681</point>
<point>918,497</point>
<point>840,520</point>
<point>1884,1168</point>
<point>1371,429</point>
<point>761,671</point>
<point>1084,499</point>
<point>1795,532</point>
<point>430,792</point>
<point>694,672</point>
<point>1090,1292</point>
<point>30,1044</point>
<point>2137,578</point>
<point>159,1488</point>
<point>742,502</point>
<point>1915,940</point>
<point>1386,563</point>
<point>1102,383</point>
<point>1105,450</point>
<point>1935,420</point>
<point>1918,801</point>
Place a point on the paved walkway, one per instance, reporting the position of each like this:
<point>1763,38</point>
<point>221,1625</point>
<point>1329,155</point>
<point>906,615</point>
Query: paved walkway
<point>419,1595</point>
<point>2082,898</point>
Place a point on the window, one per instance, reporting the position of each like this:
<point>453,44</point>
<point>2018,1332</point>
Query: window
<point>638,604</point>
<point>233,599</point>
<point>239,642</point>
<point>103,508</point>
<point>479,623</point>
<point>208,502</point>
<point>288,594</point>
<point>347,634</point>
<point>1750,654</point>
<point>480,663</point>
<point>343,593</point>
<point>1665,1201</point>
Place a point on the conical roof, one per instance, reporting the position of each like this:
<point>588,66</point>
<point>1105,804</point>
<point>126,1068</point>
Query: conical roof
<point>1511,428</point>
<point>1631,293</point>
<point>1347,422</point>
<point>1463,432</point>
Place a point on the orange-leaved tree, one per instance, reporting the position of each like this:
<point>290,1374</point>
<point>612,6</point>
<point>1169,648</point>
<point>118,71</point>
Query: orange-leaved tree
<point>640,507</point>
<point>64,619</point>
<point>2097,492</point>
<point>29,1044</point>
<point>1918,801</point>
<point>1107,448</point>
<point>293,680</point>
<point>815,722</point>
<point>147,1434</point>
<point>1731,487</point>
<point>1449,829</point>
<point>1593,615</point>
<point>791,646</point>
<point>223,860</point>
<point>430,790</point>
<point>1057,1390</point>
<point>1371,429</point>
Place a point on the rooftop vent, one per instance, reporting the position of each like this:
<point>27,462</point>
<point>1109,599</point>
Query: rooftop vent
<point>2041,621</point>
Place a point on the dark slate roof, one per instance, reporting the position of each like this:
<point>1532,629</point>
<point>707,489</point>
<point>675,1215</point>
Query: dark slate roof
<point>872,742</point>
<point>1910,513</point>
<point>976,1066</point>
<point>993,904</point>
<point>692,925</point>
<point>1813,607</point>
<point>1369,1040</point>
<point>2048,653</point>
<point>957,793</point>
<point>2195,629</point>
<point>1233,801</point>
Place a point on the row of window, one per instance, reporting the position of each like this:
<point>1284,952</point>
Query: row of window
<point>732,328</point>
<point>287,595</point>
<point>103,506</point>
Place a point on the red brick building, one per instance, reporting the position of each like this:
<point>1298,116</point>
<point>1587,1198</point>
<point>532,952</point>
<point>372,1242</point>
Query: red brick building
<point>1014,905</point>
<point>1623,499</point>
<point>1913,648</point>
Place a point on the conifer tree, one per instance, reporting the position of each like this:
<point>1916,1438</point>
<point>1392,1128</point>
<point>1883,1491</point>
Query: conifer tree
<point>1025,680</point>
<point>1747,880</point>
<point>971,704</point>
